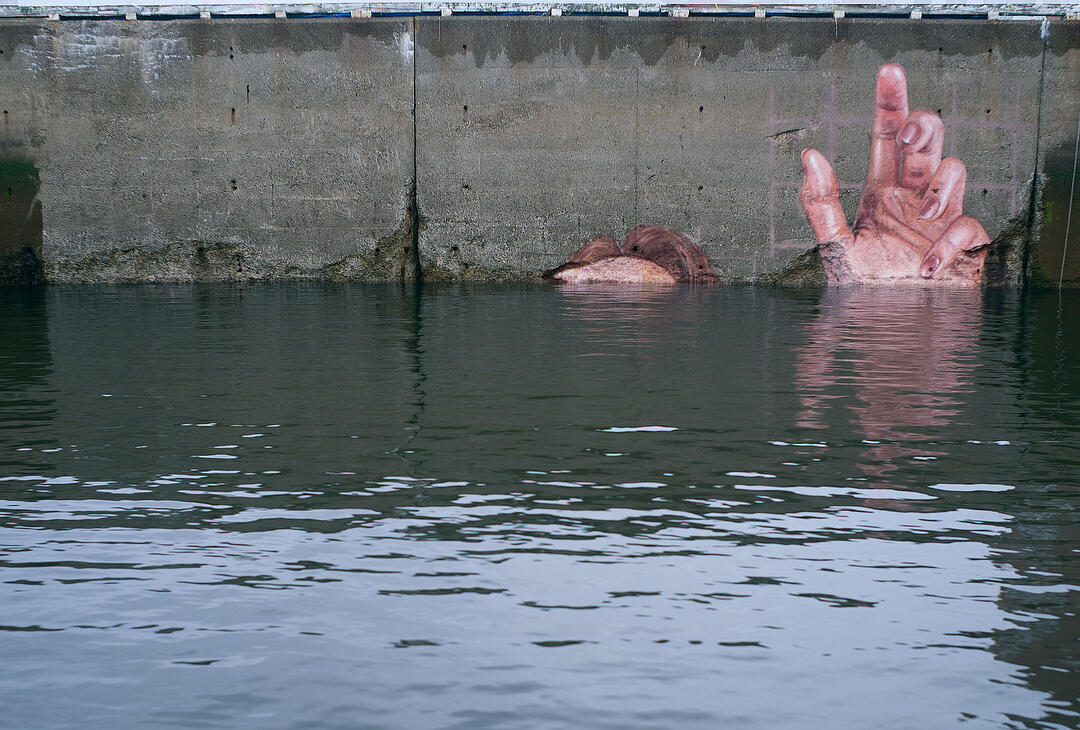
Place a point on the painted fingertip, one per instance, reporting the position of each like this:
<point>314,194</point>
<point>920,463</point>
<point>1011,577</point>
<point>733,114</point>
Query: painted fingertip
<point>812,162</point>
<point>891,71</point>
<point>929,266</point>
<point>909,133</point>
<point>891,93</point>
<point>930,208</point>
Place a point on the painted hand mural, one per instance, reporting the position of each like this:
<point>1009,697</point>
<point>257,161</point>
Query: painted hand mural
<point>650,255</point>
<point>910,226</point>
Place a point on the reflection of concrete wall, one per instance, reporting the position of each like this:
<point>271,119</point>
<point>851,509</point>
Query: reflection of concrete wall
<point>262,148</point>
<point>265,356</point>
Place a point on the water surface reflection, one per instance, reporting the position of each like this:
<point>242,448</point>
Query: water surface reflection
<point>326,506</point>
<point>899,363</point>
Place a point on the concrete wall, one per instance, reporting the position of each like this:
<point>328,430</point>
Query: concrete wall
<point>1059,125</point>
<point>214,150</point>
<point>272,148</point>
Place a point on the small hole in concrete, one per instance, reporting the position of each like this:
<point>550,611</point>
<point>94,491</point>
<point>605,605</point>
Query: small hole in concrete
<point>464,47</point>
<point>987,111</point>
<point>465,108</point>
<point>232,184</point>
<point>700,109</point>
<point>985,191</point>
<point>454,249</point>
<point>700,188</point>
<point>465,187</point>
<point>232,115</point>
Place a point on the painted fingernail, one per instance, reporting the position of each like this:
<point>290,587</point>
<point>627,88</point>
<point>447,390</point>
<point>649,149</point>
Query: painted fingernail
<point>929,266</point>
<point>929,207</point>
<point>909,133</point>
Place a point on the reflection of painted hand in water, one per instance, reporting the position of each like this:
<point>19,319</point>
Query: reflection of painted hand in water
<point>909,223</point>
<point>896,365</point>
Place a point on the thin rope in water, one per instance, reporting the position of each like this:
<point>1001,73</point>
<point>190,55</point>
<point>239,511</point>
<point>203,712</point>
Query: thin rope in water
<point>1068,216</point>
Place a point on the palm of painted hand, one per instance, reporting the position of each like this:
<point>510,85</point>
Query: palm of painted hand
<point>910,225</point>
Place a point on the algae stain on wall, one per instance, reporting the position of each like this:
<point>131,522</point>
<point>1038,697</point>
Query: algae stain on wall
<point>1047,263</point>
<point>20,223</point>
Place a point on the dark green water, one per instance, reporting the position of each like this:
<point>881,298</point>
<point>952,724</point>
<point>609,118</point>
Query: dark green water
<point>370,507</point>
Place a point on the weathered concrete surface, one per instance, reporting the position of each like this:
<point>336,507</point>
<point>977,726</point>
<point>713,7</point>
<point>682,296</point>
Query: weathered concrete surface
<point>238,149</point>
<point>536,134</point>
<point>1060,115</point>
<point>20,222</point>
<point>271,148</point>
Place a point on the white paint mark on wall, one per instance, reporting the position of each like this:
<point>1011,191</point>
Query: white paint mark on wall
<point>405,45</point>
<point>82,50</point>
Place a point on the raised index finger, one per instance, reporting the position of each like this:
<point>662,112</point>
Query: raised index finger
<point>890,111</point>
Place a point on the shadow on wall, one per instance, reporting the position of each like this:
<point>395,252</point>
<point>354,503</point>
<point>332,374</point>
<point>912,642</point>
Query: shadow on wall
<point>1048,265</point>
<point>20,223</point>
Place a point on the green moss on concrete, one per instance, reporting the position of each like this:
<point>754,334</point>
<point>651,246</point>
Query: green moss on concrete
<point>20,223</point>
<point>1046,253</point>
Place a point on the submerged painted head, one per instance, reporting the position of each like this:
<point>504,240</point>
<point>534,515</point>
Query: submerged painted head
<point>650,255</point>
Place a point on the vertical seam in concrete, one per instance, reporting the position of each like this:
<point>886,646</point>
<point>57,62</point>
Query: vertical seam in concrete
<point>414,195</point>
<point>637,146</point>
<point>1033,195</point>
